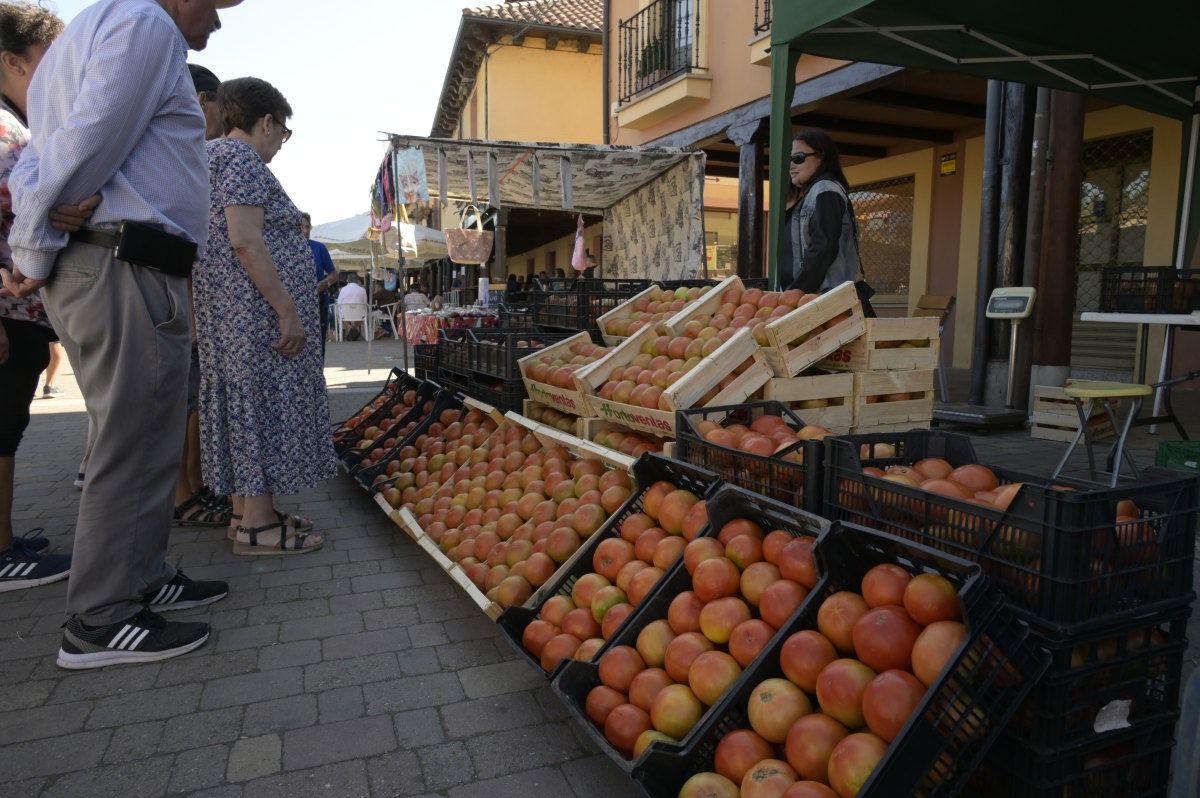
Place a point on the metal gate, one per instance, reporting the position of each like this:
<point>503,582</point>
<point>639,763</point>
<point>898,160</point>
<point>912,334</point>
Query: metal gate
<point>1113,208</point>
<point>884,211</point>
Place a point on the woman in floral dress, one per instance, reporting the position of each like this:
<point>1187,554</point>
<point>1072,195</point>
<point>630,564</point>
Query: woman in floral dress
<point>264,414</point>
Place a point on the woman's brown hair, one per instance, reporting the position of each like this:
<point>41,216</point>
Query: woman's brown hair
<point>244,101</point>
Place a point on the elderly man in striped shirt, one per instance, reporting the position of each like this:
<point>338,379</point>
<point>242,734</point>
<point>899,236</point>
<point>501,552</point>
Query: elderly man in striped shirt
<point>113,111</point>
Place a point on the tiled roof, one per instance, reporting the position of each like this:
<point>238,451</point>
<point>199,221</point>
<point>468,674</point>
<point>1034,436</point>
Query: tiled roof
<point>576,14</point>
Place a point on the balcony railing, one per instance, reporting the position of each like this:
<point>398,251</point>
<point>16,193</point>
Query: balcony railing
<point>762,16</point>
<point>658,43</point>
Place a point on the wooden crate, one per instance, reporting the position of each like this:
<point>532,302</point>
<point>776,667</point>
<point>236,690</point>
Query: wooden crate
<point>793,348</point>
<point>837,388</point>
<point>1053,416</point>
<point>568,401</point>
<point>586,429</point>
<point>706,305</point>
<point>899,414</point>
<point>621,311</point>
<point>408,523</point>
<point>583,449</point>
<point>903,426</point>
<point>486,409</point>
<point>489,608</point>
<point>889,345</point>
<point>684,393</point>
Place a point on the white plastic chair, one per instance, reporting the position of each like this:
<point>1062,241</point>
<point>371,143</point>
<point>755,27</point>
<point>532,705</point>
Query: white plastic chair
<point>353,312</point>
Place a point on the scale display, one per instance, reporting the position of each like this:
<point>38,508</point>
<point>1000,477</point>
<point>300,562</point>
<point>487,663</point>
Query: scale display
<point>1011,303</point>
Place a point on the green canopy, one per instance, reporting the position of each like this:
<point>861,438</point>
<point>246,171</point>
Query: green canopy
<point>1139,54</point>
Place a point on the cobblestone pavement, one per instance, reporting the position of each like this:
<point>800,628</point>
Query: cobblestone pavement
<point>359,670</point>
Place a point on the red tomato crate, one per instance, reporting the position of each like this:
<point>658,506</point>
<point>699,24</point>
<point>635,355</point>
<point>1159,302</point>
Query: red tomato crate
<point>1058,554</point>
<point>573,681</point>
<point>795,484</point>
<point>960,715</point>
<point>648,469</point>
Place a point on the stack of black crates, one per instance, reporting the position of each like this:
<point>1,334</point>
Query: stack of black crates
<point>1104,578</point>
<point>483,363</point>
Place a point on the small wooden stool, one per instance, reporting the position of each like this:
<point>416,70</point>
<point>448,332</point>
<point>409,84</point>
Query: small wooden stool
<point>1108,394</point>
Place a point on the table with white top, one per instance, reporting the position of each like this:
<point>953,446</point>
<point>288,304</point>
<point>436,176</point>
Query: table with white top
<point>1172,322</point>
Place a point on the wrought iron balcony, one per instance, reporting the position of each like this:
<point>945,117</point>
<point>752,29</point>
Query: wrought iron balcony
<point>656,44</point>
<point>762,16</point>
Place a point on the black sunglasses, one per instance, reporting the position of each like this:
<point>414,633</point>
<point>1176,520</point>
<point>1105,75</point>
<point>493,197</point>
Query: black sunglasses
<point>800,157</point>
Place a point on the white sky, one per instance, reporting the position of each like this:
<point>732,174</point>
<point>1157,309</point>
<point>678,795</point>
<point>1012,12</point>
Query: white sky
<point>349,68</point>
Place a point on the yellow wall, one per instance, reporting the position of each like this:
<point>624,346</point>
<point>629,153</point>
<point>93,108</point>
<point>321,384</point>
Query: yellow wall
<point>726,29</point>
<point>563,247</point>
<point>920,164</point>
<point>531,93</point>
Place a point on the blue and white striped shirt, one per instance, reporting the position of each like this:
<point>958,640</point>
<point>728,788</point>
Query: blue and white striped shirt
<point>112,110</point>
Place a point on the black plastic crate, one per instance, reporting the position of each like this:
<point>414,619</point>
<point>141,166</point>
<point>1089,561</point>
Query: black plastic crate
<point>575,679</point>
<point>1057,554</point>
<point>796,484</point>
<point>454,350</point>
<point>393,387</point>
<point>426,392</point>
<point>1135,763</point>
<point>648,469</point>
<point>1098,682</point>
<point>443,400</point>
<point>503,395</point>
<point>959,716</point>
<point>495,352</point>
<point>453,380</point>
<point>425,361</point>
<point>517,315</point>
<point>575,304</point>
<point>1159,289</point>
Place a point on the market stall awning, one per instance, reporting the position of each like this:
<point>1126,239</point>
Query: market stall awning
<point>1140,54</point>
<point>578,177</point>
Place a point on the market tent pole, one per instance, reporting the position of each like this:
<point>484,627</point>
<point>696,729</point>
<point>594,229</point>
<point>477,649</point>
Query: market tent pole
<point>369,324</point>
<point>400,272</point>
<point>1186,222</point>
<point>784,58</point>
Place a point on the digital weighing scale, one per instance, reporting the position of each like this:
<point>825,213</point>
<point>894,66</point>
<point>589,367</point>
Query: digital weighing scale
<point>1014,305</point>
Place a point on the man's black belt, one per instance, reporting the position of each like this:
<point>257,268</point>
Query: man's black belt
<point>143,245</point>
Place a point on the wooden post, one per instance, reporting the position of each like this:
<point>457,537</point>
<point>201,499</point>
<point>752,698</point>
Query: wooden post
<point>783,84</point>
<point>748,137</point>
<point>988,214</point>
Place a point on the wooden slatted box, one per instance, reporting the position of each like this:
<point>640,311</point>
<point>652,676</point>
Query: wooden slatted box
<point>832,393</point>
<point>1053,416</point>
<point>899,344</point>
<point>568,400</point>
<point>874,413</point>
<point>795,347</point>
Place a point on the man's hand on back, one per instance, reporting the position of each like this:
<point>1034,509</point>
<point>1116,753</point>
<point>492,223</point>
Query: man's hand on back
<point>13,283</point>
<point>70,218</point>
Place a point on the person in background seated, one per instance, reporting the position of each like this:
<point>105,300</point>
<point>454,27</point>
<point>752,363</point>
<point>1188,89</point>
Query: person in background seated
<point>417,299</point>
<point>353,293</point>
<point>385,300</point>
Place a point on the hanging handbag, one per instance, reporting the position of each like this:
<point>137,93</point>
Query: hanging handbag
<point>470,246</point>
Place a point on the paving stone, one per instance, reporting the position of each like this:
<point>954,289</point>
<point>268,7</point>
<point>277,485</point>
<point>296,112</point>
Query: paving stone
<point>146,777</point>
<point>503,677</point>
<point>156,704</point>
<point>468,654</point>
<point>597,777</point>
<point>356,602</point>
<point>326,556</point>
<point>32,646</point>
<point>250,687</point>
<point>93,684</point>
<point>390,617</point>
<point>335,742</point>
<point>541,782</point>
<point>224,791</point>
<point>281,594</point>
<point>134,741</point>
<point>318,628</point>
<point>445,765</point>
<point>198,768</point>
<point>330,587</point>
<point>292,610</point>
<point>496,713</point>
<point>500,753</point>
<point>284,655</point>
<point>395,773</point>
<point>15,671</point>
<point>472,628</point>
<point>373,582</point>
<point>341,673</point>
<point>27,695</point>
<point>419,661</point>
<point>414,692</point>
<point>254,757</point>
<point>352,569</point>
<point>54,755</point>
<point>343,780</point>
<point>342,703</point>
<point>427,634</point>
<point>205,667</point>
<point>362,643</point>
<point>417,728</point>
<point>451,609</point>
<point>410,596</point>
<point>279,715</point>
<point>247,637</point>
<point>550,704</point>
<point>298,576</point>
<point>200,728</point>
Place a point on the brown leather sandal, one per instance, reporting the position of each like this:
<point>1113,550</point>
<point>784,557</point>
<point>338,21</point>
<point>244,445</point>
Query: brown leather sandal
<point>290,541</point>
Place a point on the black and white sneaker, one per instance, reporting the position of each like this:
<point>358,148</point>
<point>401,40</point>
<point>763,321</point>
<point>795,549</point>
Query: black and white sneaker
<point>78,480</point>
<point>24,565</point>
<point>145,637</point>
<point>181,593</point>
